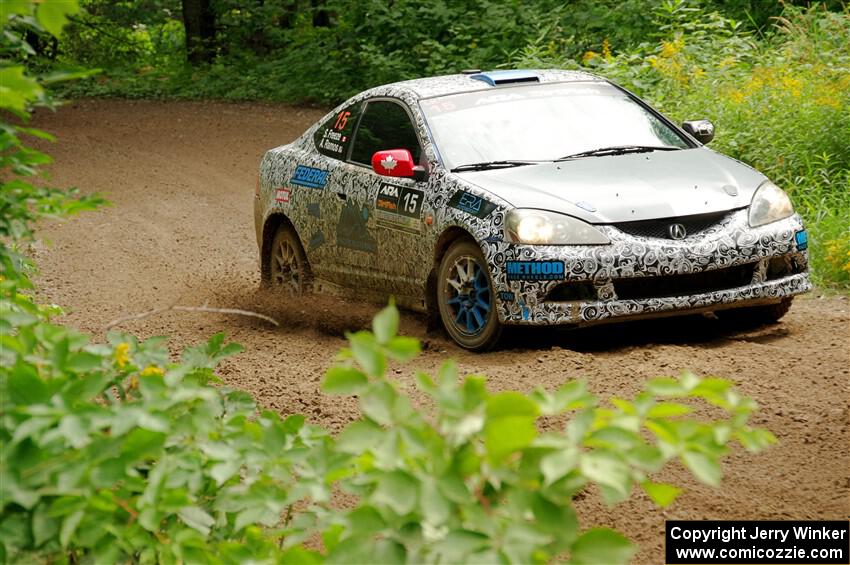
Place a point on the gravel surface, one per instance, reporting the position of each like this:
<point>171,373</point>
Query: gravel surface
<point>181,178</point>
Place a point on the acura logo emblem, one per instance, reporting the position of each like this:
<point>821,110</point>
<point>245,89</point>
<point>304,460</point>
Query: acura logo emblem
<point>677,231</point>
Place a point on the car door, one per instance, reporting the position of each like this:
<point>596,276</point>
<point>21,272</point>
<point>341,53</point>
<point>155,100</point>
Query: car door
<point>379,234</point>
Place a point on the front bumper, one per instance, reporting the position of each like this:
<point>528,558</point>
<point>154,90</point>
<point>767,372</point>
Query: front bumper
<point>727,265</point>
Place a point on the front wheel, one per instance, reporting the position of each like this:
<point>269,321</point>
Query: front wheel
<point>465,298</point>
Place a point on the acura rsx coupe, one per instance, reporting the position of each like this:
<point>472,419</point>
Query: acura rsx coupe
<point>524,197</point>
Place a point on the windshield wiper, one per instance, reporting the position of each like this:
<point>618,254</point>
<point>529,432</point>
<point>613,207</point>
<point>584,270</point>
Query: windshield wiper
<point>485,165</point>
<point>618,150</point>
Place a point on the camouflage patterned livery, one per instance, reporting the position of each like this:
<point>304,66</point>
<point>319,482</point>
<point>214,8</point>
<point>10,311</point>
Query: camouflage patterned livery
<point>385,235</point>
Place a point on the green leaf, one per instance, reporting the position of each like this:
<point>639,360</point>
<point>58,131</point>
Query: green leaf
<point>556,465</point>
<point>703,466</point>
<point>668,410</point>
<point>385,324</point>
<point>344,381</point>
<point>602,545</point>
<point>396,490</point>
<point>503,436</point>
<point>196,518</point>
<point>360,436</point>
<point>25,387</point>
<point>402,348</point>
<point>53,14</point>
<point>661,493</point>
<point>511,404</point>
<point>606,469</point>
<point>69,526</point>
<point>367,353</point>
<point>44,526</point>
<point>377,402</point>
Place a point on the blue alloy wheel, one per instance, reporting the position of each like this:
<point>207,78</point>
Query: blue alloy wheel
<point>465,297</point>
<point>470,297</point>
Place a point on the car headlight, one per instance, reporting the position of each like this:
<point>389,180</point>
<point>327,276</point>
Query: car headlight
<point>548,228</point>
<point>770,204</point>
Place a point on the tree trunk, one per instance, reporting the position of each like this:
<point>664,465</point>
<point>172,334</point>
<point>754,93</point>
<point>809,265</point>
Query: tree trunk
<point>199,22</point>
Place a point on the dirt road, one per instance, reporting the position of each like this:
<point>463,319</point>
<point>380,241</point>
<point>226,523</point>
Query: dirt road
<point>181,178</point>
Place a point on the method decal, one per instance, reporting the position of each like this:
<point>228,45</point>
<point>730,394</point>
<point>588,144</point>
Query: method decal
<point>535,270</point>
<point>351,232</point>
<point>309,177</point>
<point>282,194</point>
<point>399,208</point>
<point>471,204</point>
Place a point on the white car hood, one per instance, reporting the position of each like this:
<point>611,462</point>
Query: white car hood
<point>623,188</point>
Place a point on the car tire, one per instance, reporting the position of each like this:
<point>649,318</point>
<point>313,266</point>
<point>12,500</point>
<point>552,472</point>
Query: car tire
<point>465,298</point>
<point>289,270</point>
<point>751,316</point>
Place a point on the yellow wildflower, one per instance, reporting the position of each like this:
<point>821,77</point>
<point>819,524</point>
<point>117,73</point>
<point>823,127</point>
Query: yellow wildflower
<point>589,56</point>
<point>152,371</point>
<point>737,96</point>
<point>606,48</point>
<point>122,354</point>
<point>672,48</point>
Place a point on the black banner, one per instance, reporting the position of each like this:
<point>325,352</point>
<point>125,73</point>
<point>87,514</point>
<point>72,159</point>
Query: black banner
<point>693,542</point>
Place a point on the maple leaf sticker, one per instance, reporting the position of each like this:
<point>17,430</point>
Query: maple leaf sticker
<point>388,162</point>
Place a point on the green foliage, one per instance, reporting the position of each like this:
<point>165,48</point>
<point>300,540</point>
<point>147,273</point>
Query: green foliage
<point>772,76</point>
<point>110,452</point>
<point>781,104</point>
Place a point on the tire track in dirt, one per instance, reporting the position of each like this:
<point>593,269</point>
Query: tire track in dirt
<point>181,176</point>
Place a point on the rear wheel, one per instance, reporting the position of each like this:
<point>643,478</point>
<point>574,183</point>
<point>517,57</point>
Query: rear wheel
<point>289,271</point>
<point>756,315</point>
<point>465,298</point>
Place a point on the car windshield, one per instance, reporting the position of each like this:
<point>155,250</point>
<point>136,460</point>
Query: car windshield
<point>542,123</point>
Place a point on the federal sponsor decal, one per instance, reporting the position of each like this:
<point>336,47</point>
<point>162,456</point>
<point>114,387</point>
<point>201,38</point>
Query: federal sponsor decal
<point>471,204</point>
<point>309,177</point>
<point>399,208</point>
<point>535,270</point>
<point>351,232</point>
<point>282,194</point>
<point>802,239</point>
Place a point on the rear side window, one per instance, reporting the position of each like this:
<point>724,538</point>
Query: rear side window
<point>334,136</point>
<point>384,125</point>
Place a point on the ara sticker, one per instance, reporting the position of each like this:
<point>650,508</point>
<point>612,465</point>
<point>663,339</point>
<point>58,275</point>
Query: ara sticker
<point>309,177</point>
<point>535,270</point>
<point>802,239</point>
<point>399,208</point>
<point>282,194</point>
<point>471,204</point>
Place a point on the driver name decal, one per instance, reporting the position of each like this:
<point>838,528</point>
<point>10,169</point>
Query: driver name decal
<point>535,270</point>
<point>399,208</point>
<point>309,177</point>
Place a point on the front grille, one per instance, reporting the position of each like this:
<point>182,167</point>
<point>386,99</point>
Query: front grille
<point>668,286</point>
<point>660,228</point>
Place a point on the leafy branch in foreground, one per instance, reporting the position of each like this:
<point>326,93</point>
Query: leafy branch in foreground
<point>111,453</point>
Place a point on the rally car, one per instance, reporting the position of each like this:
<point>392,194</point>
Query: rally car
<point>524,197</point>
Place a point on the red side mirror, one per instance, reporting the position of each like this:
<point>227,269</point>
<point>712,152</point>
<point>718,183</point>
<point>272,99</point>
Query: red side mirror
<point>393,163</point>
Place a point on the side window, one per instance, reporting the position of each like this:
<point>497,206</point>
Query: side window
<point>334,136</point>
<point>384,125</point>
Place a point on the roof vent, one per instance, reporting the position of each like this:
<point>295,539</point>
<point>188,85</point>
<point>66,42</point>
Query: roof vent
<point>498,78</point>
